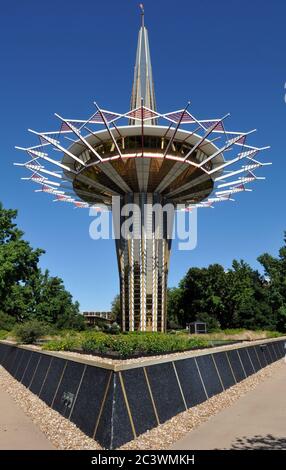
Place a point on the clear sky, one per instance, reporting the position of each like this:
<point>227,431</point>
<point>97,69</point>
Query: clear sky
<point>225,56</point>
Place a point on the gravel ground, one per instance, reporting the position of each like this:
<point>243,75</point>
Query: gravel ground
<point>66,436</point>
<point>162,437</point>
<point>63,434</point>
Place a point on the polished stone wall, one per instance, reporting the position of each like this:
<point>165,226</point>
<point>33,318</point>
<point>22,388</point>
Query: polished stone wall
<point>113,405</point>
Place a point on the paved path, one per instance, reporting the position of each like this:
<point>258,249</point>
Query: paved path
<point>17,431</point>
<point>255,421</point>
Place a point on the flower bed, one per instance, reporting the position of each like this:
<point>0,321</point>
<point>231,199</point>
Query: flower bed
<point>127,345</point>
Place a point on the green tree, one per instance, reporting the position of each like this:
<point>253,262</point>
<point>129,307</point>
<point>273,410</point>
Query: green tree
<point>246,299</point>
<point>116,309</point>
<point>275,272</point>
<point>26,292</point>
<point>54,304</point>
<point>175,312</point>
<point>234,298</point>
<point>203,291</point>
<point>18,265</point>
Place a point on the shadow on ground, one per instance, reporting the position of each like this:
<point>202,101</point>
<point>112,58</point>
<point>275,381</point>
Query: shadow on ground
<point>267,442</point>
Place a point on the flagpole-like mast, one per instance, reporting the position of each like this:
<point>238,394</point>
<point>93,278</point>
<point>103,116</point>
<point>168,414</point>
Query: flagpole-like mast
<point>142,13</point>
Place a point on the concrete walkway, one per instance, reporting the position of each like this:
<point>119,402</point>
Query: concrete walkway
<point>255,421</point>
<point>17,431</point>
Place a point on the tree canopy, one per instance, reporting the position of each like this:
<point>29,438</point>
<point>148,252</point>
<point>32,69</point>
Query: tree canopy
<point>239,297</point>
<point>25,291</point>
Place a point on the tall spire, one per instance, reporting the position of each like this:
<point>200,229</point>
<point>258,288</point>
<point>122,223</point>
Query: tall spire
<point>143,85</point>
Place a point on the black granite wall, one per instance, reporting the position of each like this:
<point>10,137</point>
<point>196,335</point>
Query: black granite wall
<point>115,407</point>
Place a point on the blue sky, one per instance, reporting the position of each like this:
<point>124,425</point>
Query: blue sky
<point>224,56</point>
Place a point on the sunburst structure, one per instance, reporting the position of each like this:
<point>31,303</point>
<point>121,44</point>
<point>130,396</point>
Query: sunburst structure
<point>143,157</point>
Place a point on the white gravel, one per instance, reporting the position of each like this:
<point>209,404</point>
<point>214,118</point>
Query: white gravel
<point>63,434</point>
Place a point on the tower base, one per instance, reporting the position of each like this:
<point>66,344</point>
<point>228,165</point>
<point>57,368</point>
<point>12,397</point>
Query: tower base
<point>143,251</point>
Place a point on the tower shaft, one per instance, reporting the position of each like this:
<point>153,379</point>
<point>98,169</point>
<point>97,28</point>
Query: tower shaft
<point>143,261</point>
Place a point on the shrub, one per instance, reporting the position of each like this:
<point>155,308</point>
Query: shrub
<point>233,331</point>
<point>3,334</point>
<point>96,328</point>
<point>173,325</point>
<point>125,344</point>
<point>7,322</point>
<point>65,344</point>
<point>112,329</point>
<point>30,331</point>
<point>212,323</point>
<point>74,322</point>
<point>274,334</point>
<point>140,343</point>
<point>100,342</point>
<point>65,340</point>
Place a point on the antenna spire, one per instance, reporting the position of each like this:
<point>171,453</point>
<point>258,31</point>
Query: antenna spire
<point>141,5</point>
<point>143,85</point>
